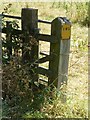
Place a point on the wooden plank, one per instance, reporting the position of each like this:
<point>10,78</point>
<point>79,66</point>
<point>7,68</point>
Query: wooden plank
<point>10,16</point>
<point>18,17</point>
<point>41,53</point>
<point>44,59</point>
<point>44,71</point>
<point>47,38</point>
<point>44,21</point>
<point>43,80</point>
<point>13,32</point>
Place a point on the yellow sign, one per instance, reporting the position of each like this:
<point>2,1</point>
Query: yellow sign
<point>66,31</point>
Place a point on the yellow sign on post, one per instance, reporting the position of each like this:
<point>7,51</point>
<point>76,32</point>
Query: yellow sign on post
<point>66,31</point>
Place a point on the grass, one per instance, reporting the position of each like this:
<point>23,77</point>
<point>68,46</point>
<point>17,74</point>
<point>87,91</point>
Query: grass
<point>50,10</point>
<point>76,105</point>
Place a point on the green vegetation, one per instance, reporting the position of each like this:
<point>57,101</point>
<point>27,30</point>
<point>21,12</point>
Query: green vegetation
<point>45,103</point>
<point>76,12</point>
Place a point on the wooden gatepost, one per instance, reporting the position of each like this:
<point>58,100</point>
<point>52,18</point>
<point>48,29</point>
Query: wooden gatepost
<point>61,29</point>
<point>29,18</point>
<point>29,21</point>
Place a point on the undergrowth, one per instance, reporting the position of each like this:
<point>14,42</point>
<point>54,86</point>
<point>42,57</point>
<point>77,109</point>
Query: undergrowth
<point>20,100</point>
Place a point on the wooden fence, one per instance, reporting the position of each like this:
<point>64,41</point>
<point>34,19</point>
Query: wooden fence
<point>59,39</point>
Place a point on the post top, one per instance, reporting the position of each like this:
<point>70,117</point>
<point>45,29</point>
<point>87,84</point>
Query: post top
<point>63,20</point>
<point>29,9</point>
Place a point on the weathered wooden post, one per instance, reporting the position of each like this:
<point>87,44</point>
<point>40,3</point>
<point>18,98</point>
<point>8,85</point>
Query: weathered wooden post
<point>61,29</point>
<point>29,24</point>
<point>29,18</point>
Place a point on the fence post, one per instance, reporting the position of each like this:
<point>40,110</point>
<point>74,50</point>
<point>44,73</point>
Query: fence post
<point>61,28</point>
<point>29,19</point>
<point>29,24</point>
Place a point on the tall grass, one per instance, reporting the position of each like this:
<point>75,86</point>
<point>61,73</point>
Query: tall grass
<point>76,12</point>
